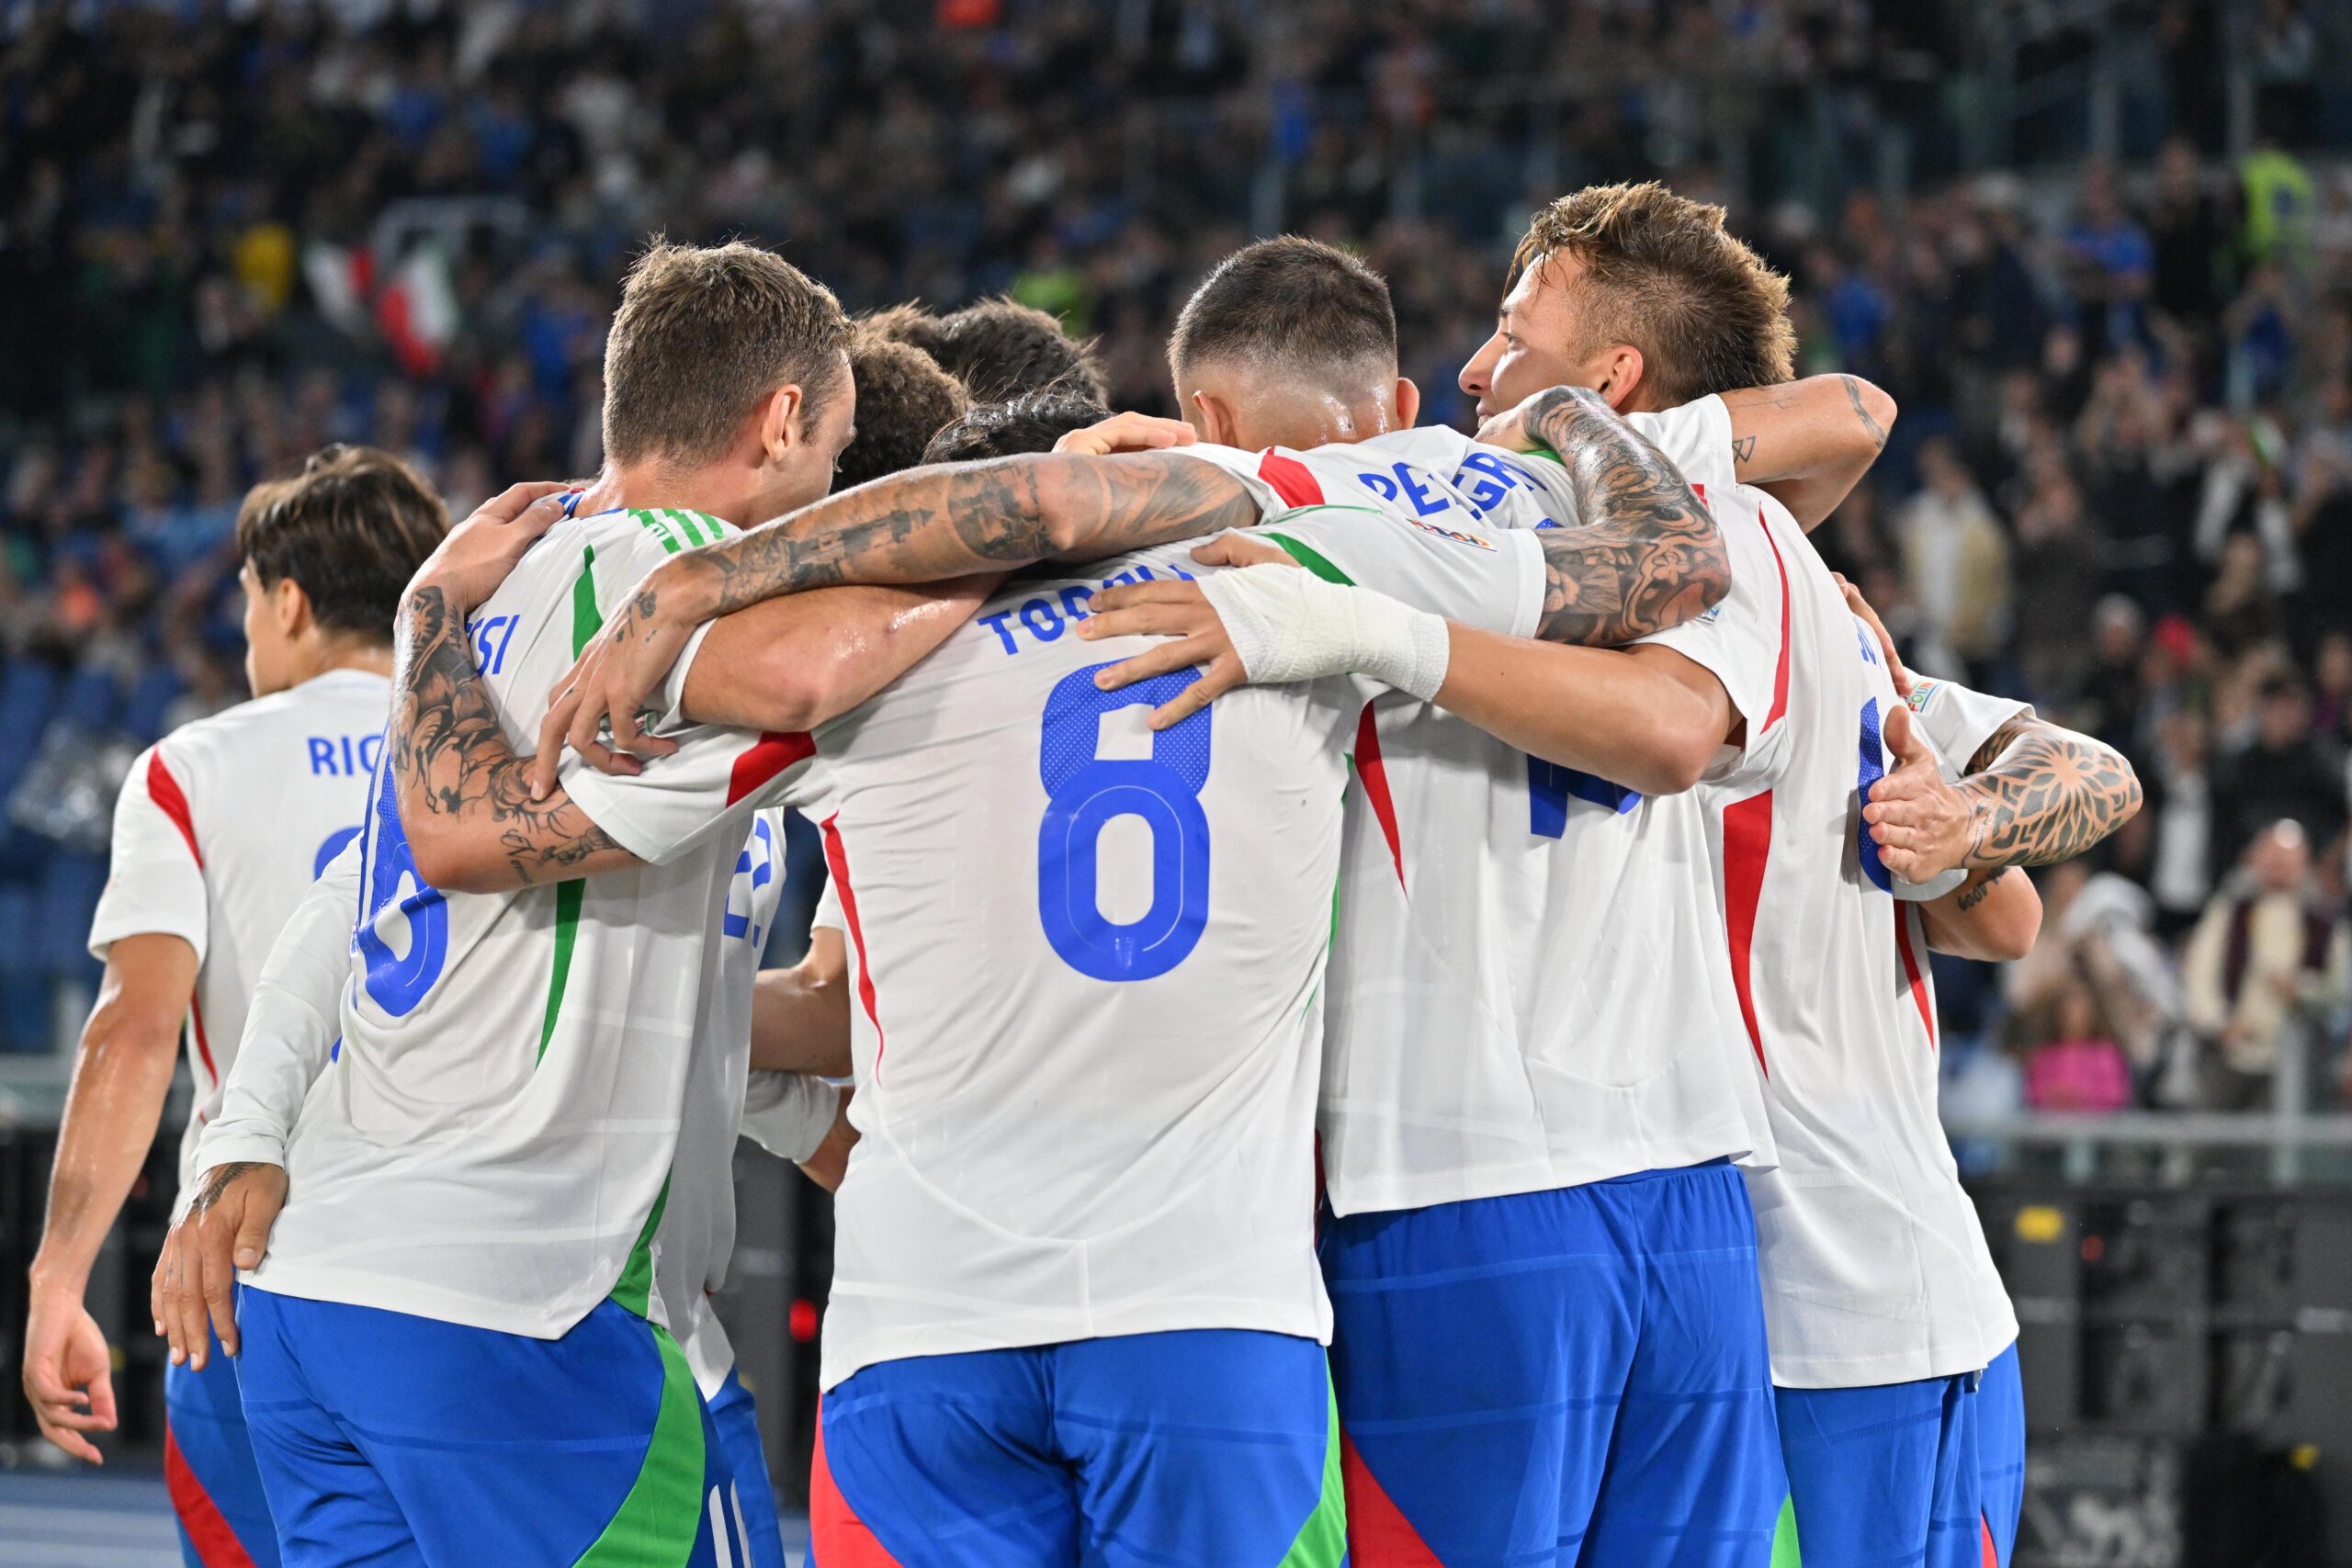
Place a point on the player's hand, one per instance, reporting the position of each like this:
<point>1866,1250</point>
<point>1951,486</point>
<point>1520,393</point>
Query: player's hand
<point>1861,607</point>
<point>1511,429</point>
<point>624,663</point>
<point>830,1161</point>
<point>1920,823</point>
<point>1239,550</point>
<point>1178,610</point>
<point>474,559</point>
<point>1125,433</point>
<point>225,1229</point>
<point>68,1371</point>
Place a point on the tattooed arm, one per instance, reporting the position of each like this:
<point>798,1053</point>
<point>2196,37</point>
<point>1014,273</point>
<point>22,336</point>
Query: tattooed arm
<point>2034,794</point>
<point>1648,556</point>
<point>1808,443</point>
<point>1994,916</point>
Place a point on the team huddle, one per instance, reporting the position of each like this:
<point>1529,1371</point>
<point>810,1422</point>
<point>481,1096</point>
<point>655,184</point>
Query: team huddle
<point>1371,1002</point>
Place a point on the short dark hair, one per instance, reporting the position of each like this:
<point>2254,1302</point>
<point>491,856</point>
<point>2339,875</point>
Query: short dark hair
<point>1663,274</point>
<point>911,324</point>
<point>1295,302</point>
<point>352,529</point>
<point>703,334</point>
<point>1001,348</point>
<point>1030,423</point>
<point>903,399</point>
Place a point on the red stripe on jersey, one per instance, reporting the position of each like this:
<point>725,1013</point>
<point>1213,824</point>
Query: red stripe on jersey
<point>1747,846</point>
<point>1292,479</point>
<point>172,801</point>
<point>203,1046</point>
<point>837,1537</point>
<point>1911,975</point>
<point>1988,1553</point>
<point>765,758</point>
<point>1379,1536</point>
<point>1374,775</point>
<point>837,861</point>
<point>1779,671</point>
<point>208,1530</point>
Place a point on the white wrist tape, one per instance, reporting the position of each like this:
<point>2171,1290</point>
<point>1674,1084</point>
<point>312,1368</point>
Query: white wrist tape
<point>1286,624</point>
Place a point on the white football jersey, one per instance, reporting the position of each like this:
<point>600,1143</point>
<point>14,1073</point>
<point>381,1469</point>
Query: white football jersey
<point>219,829</point>
<point>1430,476</point>
<point>1527,986</point>
<point>1083,961</point>
<point>1875,1269</point>
<point>494,1145</point>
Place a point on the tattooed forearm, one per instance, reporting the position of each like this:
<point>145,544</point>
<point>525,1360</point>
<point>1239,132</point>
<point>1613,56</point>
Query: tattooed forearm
<point>951,521</point>
<point>1976,893</point>
<point>1861,411</point>
<point>1648,556</point>
<point>2039,793</point>
<point>451,760</point>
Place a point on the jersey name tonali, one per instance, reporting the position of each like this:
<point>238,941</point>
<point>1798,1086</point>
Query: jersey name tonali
<point>1875,1268</point>
<point>494,1144</point>
<point>1084,960</point>
<point>1528,988</point>
<point>217,832</point>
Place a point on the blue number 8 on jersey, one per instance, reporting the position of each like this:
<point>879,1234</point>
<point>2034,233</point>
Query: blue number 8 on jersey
<point>397,981</point>
<point>1087,792</point>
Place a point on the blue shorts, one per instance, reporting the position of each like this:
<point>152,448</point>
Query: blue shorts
<point>387,1441</point>
<point>209,1470</point>
<point>1926,1475</point>
<point>1204,1448</point>
<point>1554,1377</point>
<point>737,1422</point>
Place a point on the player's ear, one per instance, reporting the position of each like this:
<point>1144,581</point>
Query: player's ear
<point>290,608</point>
<point>779,423</point>
<point>1212,419</point>
<point>1621,375</point>
<point>1409,402</point>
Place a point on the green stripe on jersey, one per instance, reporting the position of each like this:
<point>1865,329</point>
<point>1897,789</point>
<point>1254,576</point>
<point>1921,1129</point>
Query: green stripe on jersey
<point>1784,1536</point>
<point>1313,560</point>
<point>1322,1540</point>
<point>690,525</point>
<point>652,523</point>
<point>659,1520</point>
<point>570,895</point>
<point>633,1290</point>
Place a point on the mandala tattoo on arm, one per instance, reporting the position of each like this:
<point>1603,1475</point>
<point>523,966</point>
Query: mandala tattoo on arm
<point>2039,793</point>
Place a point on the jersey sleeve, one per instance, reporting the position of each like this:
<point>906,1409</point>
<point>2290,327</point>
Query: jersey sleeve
<point>1490,581</point>
<point>155,878</point>
<point>292,1025</point>
<point>1742,641</point>
<point>715,778</point>
<point>1957,721</point>
<point>788,1115</point>
<point>1696,438</point>
<point>829,909</point>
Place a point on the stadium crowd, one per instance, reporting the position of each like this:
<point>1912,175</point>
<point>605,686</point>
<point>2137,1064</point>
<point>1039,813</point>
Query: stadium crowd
<point>2121,483</point>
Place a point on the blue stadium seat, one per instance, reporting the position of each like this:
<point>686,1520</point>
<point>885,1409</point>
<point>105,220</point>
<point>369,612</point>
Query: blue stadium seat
<point>69,896</point>
<point>151,696</point>
<point>92,696</point>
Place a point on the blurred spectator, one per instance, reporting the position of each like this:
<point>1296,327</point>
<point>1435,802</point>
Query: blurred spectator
<point>2263,967</point>
<point>1957,556</point>
<point>2287,772</point>
<point>2077,1066</point>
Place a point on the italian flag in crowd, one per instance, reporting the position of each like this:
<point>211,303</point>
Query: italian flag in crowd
<point>413,306</point>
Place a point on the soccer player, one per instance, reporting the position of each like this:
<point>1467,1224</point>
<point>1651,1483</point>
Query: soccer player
<point>999,349</point>
<point>478,1185</point>
<point>921,397</point>
<point>1001,1339</point>
<point>219,828</point>
<point>1356,325</point>
<point>1901,1416</point>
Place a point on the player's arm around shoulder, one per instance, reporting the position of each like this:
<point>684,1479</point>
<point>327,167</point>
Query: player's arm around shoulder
<point>1808,443</point>
<point>472,821</point>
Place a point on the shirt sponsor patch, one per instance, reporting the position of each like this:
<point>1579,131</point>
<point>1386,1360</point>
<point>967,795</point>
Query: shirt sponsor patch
<point>1456,535</point>
<point>1920,692</point>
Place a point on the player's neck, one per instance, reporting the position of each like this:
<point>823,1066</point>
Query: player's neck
<point>724,490</point>
<point>326,657</point>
